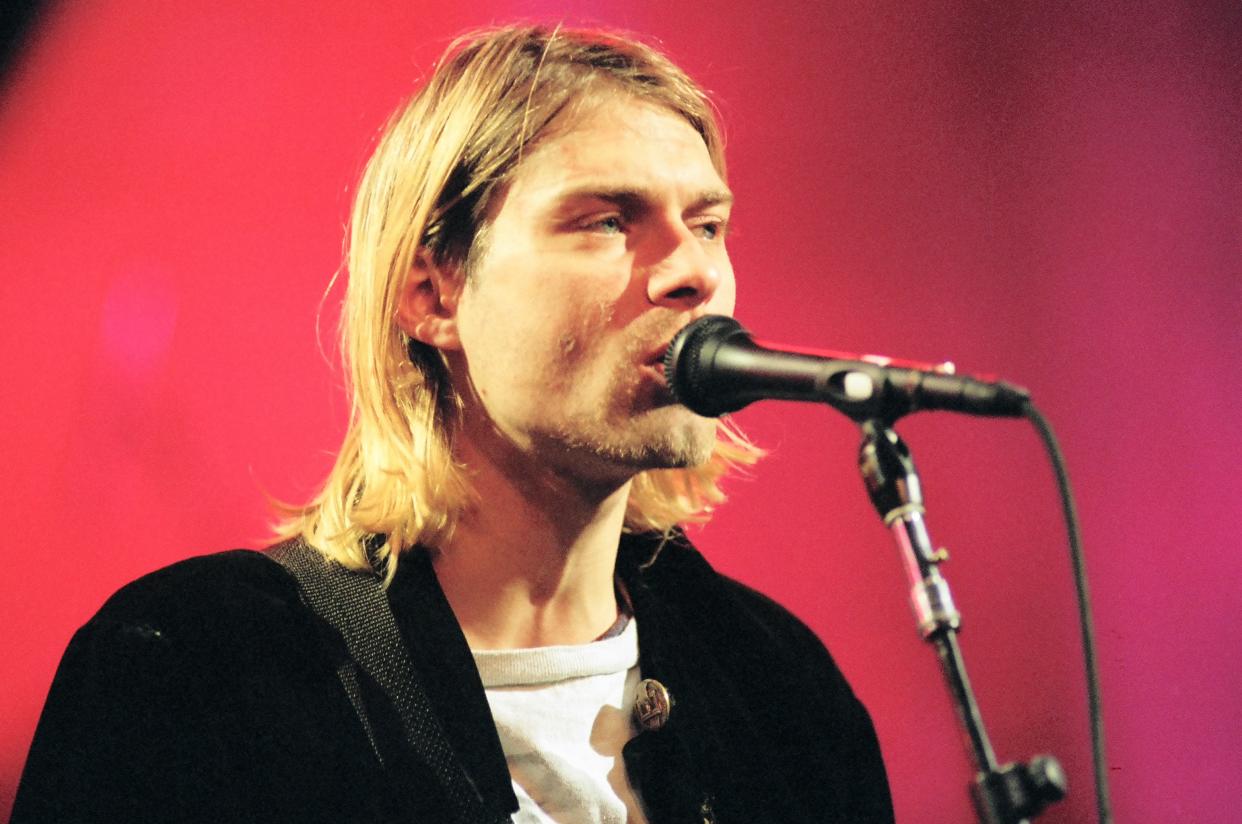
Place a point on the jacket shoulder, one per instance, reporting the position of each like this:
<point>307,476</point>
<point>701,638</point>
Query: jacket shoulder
<point>716,604</point>
<point>185,699</point>
<point>232,584</point>
<point>769,719</point>
<point>229,620</point>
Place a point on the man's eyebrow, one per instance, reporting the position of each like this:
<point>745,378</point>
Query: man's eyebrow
<point>712,197</point>
<point>634,199</point>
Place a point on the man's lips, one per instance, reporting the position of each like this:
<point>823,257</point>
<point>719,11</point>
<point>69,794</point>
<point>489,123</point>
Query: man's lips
<point>655,371</point>
<point>654,363</point>
<point>655,356</point>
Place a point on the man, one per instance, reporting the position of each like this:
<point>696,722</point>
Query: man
<point>530,233</point>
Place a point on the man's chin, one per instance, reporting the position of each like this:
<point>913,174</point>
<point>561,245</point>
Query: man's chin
<point>684,440</point>
<point>669,437</point>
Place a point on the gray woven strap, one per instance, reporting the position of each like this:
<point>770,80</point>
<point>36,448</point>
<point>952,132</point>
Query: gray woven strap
<point>356,605</point>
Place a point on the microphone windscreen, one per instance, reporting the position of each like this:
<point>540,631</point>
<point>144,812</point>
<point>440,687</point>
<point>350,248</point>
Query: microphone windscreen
<point>688,360</point>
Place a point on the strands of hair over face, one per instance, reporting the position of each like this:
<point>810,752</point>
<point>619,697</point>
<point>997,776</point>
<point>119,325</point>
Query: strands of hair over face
<point>427,190</point>
<point>534,84</point>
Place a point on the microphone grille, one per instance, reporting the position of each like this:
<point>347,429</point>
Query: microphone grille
<point>684,367</point>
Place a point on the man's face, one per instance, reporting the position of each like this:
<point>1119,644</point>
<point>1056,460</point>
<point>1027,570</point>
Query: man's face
<point>608,239</point>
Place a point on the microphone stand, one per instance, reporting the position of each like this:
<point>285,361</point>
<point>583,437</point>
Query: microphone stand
<point>1003,794</point>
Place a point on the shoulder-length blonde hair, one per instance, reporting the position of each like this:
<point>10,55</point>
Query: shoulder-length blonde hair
<point>435,170</point>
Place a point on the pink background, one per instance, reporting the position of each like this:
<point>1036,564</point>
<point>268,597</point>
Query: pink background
<point>1050,194</point>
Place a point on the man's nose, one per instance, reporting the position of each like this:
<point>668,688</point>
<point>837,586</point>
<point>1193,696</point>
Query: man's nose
<point>688,276</point>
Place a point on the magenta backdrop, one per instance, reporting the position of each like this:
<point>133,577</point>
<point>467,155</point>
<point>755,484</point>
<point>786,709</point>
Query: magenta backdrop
<point>1052,195</point>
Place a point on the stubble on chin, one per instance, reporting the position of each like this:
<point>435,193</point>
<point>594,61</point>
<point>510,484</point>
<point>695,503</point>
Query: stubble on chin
<point>667,438</point>
<point>657,432</point>
<point>688,441</point>
<point>635,425</point>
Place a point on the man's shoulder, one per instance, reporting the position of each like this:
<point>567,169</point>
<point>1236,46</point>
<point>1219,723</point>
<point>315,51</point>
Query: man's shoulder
<point>201,605</point>
<point>197,636</point>
<point>739,626</point>
<point>744,667</point>
<point>687,581</point>
<point>233,581</point>
<point>203,691</point>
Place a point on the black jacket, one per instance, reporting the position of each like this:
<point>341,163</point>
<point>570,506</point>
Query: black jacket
<point>207,692</point>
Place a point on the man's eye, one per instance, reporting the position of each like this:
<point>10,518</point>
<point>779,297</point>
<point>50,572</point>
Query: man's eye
<point>610,225</point>
<point>714,230</point>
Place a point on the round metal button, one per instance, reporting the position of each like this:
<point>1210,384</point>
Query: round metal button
<point>652,704</point>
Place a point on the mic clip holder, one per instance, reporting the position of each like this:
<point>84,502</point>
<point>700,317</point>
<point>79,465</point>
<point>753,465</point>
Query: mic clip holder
<point>1003,794</point>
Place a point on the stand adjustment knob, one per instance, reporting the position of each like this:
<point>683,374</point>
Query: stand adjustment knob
<point>1016,793</point>
<point>1047,779</point>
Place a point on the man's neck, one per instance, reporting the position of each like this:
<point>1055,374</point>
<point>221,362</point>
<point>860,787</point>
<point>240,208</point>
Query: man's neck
<point>532,564</point>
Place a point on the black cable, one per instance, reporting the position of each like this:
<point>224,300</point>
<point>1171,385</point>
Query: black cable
<point>1084,611</point>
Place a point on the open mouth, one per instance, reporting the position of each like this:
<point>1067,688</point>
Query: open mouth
<point>656,356</point>
<point>656,371</point>
<point>652,368</point>
<point>654,363</point>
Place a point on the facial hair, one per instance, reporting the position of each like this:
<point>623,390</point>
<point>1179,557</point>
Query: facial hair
<point>638,425</point>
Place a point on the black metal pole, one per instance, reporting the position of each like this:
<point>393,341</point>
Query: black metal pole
<point>1008,794</point>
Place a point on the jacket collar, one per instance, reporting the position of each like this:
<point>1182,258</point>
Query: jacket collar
<point>441,655</point>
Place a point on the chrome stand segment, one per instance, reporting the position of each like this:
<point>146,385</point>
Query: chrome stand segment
<point>1003,794</point>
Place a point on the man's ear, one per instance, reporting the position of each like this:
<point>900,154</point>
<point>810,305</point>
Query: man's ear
<point>427,307</point>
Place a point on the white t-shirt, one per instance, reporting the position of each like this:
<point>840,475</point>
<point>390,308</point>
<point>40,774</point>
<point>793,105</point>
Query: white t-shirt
<point>563,714</point>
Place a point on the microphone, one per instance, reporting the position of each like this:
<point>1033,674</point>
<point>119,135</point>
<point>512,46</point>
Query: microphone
<point>714,366</point>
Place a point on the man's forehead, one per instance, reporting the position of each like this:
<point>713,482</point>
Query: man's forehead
<point>622,145</point>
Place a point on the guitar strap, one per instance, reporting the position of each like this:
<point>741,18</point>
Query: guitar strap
<point>355,604</point>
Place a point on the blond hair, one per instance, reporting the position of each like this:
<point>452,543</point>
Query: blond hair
<point>428,186</point>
